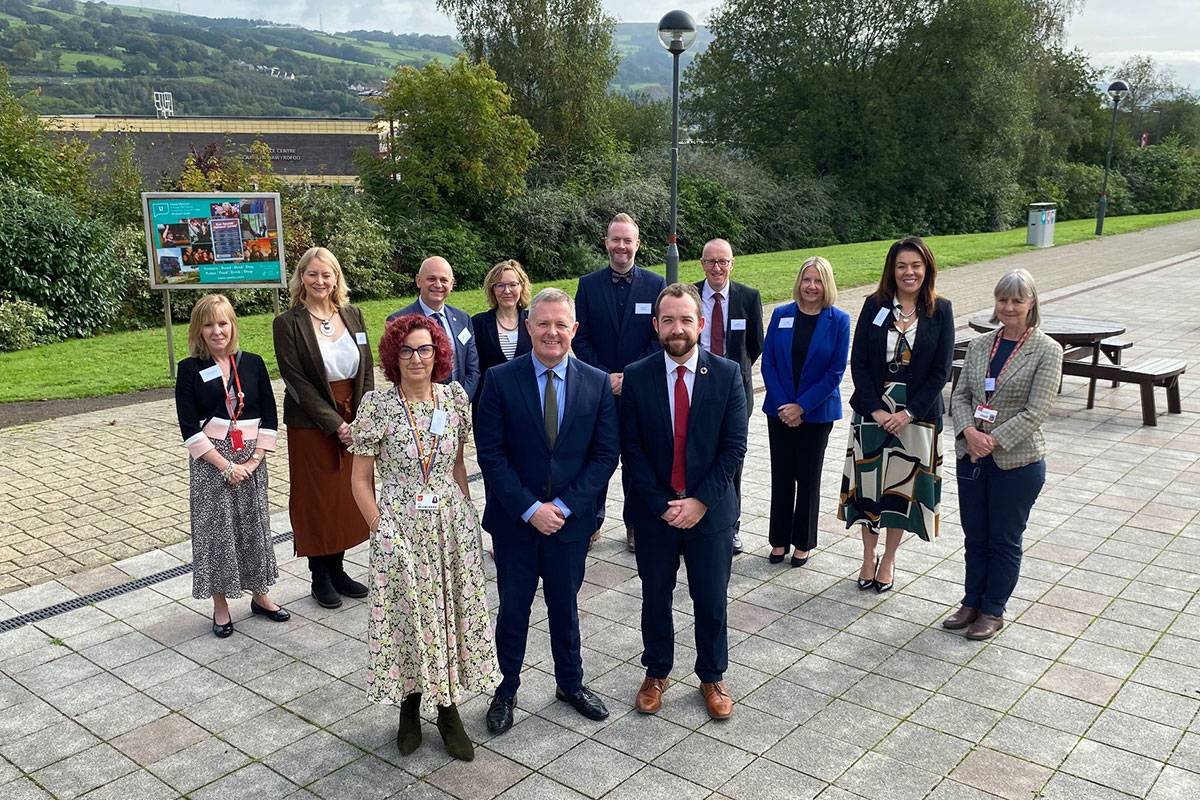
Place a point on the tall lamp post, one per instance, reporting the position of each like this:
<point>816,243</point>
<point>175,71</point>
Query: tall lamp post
<point>676,31</point>
<point>1116,90</point>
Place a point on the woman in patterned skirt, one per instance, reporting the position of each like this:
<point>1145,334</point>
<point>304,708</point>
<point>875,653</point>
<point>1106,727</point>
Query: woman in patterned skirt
<point>429,634</point>
<point>227,417</point>
<point>903,349</point>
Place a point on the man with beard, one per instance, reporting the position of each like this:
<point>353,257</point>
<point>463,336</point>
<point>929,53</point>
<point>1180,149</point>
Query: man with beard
<point>615,306</point>
<point>547,443</point>
<point>683,438</point>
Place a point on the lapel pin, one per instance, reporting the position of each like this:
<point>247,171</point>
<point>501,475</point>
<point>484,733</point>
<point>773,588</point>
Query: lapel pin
<point>704,370</point>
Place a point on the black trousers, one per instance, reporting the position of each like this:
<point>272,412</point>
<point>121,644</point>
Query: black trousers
<point>708,558</point>
<point>797,455</point>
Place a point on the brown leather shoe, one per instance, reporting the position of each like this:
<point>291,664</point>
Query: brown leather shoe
<point>984,627</point>
<point>718,699</point>
<point>649,697</point>
<point>961,618</point>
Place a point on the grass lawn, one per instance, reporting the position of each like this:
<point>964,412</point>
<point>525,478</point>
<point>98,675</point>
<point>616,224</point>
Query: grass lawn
<point>126,362</point>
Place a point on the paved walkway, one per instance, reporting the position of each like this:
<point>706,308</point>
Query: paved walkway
<point>1092,691</point>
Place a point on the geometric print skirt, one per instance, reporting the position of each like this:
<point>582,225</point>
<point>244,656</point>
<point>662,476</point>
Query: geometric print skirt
<point>231,529</point>
<point>890,481</point>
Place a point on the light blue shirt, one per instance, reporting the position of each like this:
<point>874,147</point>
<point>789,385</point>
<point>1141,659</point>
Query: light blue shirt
<point>557,373</point>
<point>444,317</point>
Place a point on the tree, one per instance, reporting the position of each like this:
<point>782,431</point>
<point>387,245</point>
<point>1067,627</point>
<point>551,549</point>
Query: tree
<point>556,57</point>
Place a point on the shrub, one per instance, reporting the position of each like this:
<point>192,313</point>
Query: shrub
<point>1076,187</point>
<point>344,223</point>
<point>22,324</point>
<point>1165,177</point>
<point>421,237</point>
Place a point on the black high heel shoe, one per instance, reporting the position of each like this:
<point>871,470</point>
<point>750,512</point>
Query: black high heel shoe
<point>777,559</point>
<point>881,587</point>
<point>222,631</point>
<point>280,614</point>
<point>867,583</point>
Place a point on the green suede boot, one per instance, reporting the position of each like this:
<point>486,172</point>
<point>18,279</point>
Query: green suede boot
<point>408,736</point>
<point>454,736</point>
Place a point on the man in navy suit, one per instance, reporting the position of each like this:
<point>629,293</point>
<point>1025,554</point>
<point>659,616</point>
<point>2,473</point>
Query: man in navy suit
<point>435,281</point>
<point>615,308</point>
<point>683,438</point>
<point>547,441</point>
<point>733,314</point>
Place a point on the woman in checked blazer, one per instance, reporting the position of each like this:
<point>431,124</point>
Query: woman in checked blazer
<point>1008,384</point>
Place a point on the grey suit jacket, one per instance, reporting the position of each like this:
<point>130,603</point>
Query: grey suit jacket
<point>1023,397</point>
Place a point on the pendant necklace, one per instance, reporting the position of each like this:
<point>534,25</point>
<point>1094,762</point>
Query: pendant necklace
<point>326,324</point>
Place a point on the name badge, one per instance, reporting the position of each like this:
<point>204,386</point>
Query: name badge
<point>642,308</point>
<point>882,316</point>
<point>437,425</point>
<point>989,384</point>
<point>210,374</point>
<point>738,324</point>
<point>464,336</point>
<point>360,337</point>
<point>428,501</point>
<point>787,322</point>
<point>985,413</point>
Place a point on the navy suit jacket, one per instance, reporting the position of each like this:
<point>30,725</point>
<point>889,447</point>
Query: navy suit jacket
<point>928,369</point>
<point>517,461</point>
<point>746,345</point>
<point>716,442</point>
<point>466,357</point>
<point>820,375</point>
<point>604,341</point>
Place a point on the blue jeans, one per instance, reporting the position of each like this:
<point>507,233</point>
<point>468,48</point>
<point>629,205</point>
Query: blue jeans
<point>994,507</point>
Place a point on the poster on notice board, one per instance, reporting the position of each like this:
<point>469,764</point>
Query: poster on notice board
<point>211,240</point>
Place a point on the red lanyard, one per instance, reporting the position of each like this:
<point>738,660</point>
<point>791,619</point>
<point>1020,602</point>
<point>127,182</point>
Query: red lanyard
<point>426,463</point>
<point>987,396</point>
<point>241,397</point>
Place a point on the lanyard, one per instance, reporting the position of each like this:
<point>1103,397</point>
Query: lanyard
<point>425,462</point>
<point>987,396</point>
<point>235,380</point>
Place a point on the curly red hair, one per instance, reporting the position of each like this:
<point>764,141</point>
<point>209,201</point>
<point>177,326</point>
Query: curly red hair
<point>398,330</point>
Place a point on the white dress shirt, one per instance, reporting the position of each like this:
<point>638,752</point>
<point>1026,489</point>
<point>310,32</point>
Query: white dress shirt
<point>689,379</point>
<point>706,307</point>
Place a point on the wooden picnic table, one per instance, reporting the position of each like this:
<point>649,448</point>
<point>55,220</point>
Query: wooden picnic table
<point>1069,332</point>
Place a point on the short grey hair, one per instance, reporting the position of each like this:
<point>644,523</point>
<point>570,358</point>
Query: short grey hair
<point>1019,284</point>
<point>552,295</point>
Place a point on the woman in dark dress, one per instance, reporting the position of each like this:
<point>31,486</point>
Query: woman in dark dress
<point>500,332</point>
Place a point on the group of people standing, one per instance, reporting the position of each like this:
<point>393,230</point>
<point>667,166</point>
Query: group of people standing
<point>555,391</point>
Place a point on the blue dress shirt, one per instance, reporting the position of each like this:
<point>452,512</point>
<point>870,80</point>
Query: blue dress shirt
<point>556,373</point>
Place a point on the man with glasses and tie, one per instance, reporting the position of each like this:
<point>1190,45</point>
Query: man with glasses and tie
<point>546,438</point>
<point>435,281</point>
<point>683,438</point>
<point>733,329</point>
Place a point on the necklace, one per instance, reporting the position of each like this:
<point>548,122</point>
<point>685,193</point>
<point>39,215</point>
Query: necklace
<point>504,327</point>
<point>326,324</point>
<point>906,317</point>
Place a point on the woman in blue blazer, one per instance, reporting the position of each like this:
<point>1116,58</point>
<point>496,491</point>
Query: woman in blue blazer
<point>803,360</point>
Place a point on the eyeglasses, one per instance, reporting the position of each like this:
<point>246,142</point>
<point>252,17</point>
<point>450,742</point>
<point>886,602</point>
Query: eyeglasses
<point>425,352</point>
<point>507,287</point>
<point>716,262</point>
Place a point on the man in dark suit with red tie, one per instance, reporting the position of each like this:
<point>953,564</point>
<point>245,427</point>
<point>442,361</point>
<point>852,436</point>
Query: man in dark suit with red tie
<point>733,329</point>
<point>683,438</point>
<point>615,306</point>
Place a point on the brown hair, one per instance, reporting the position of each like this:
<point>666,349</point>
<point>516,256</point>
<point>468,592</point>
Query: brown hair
<point>926,295</point>
<point>680,290</point>
<point>493,277</point>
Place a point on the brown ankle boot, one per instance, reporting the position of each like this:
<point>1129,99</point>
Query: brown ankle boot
<point>960,619</point>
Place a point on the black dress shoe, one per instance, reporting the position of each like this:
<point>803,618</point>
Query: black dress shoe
<point>222,631</point>
<point>500,713</point>
<point>880,586</point>
<point>867,583</point>
<point>323,591</point>
<point>799,562</point>
<point>278,615</point>
<point>585,701</point>
<point>777,559</point>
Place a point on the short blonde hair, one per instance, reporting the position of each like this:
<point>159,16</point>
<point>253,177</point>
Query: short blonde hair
<point>210,308</point>
<point>341,292</point>
<point>625,218</point>
<point>1018,284</point>
<point>493,277</point>
<point>825,271</point>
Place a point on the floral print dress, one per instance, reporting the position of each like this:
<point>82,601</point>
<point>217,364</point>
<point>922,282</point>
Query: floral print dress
<point>429,629</point>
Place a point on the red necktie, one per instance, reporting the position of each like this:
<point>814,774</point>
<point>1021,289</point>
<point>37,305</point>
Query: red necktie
<point>679,460</point>
<point>717,342</point>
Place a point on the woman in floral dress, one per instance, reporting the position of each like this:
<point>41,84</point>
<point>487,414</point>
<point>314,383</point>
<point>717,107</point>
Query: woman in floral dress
<point>429,633</point>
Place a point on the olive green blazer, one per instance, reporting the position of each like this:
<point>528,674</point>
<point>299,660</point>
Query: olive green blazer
<point>1023,397</point>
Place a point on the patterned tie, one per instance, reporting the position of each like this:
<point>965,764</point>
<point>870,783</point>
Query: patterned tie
<point>717,341</point>
<point>679,458</point>
<point>551,409</point>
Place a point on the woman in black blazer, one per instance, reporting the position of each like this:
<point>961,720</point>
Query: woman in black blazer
<point>900,362</point>
<point>500,332</point>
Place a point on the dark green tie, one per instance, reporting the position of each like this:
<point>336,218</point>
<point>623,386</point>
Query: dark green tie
<point>551,409</point>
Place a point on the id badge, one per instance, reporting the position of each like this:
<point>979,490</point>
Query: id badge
<point>428,501</point>
<point>437,425</point>
<point>985,413</point>
<point>237,440</point>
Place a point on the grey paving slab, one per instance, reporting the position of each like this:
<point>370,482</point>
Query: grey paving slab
<point>83,772</point>
<point>251,782</point>
<point>769,780</point>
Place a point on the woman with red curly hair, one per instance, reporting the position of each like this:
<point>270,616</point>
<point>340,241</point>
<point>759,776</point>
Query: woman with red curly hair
<point>429,633</point>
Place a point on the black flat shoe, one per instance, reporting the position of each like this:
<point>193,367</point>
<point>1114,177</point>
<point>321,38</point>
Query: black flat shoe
<point>799,562</point>
<point>500,713</point>
<point>867,583</point>
<point>278,615</point>
<point>585,701</point>
<point>222,631</point>
<point>776,559</point>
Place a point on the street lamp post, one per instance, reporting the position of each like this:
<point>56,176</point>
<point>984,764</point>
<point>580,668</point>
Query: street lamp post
<point>1116,90</point>
<point>676,31</point>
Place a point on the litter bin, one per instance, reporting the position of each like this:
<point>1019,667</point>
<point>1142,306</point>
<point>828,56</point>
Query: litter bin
<point>1041,224</point>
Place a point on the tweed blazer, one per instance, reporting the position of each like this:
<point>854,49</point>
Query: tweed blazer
<point>1022,398</point>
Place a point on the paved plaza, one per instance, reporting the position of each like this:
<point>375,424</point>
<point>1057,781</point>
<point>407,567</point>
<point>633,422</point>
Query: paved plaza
<point>1091,691</point>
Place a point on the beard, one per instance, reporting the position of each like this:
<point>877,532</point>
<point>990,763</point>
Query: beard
<point>679,345</point>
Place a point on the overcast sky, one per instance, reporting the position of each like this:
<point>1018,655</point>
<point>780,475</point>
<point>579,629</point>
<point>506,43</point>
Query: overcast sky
<point>1108,30</point>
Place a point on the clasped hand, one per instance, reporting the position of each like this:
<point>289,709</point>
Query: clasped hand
<point>240,473</point>
<point>684,513</point>
<point>979,444</point>
<point>547,519</point>
<point>892,423</point>
<point>343,434</point>
<point>791,414</point>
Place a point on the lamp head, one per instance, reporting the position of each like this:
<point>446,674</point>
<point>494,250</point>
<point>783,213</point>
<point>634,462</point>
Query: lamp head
<point>1117,90</point>
<point>677,31</point>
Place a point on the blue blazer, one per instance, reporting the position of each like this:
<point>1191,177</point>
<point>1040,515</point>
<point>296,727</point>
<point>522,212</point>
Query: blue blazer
<point>820,376</point>
<point>520,468</point>
<point>466,356</point>
<point>603,340</point>
<point>716,442</point>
